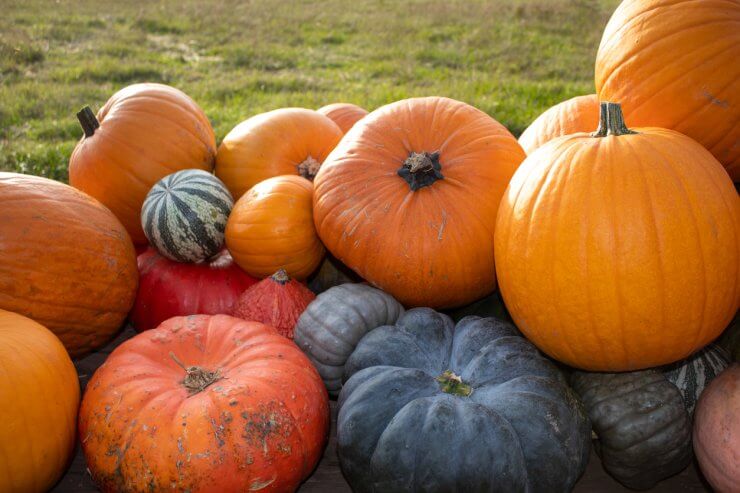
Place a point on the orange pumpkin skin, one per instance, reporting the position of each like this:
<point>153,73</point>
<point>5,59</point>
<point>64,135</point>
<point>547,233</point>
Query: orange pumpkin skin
<point>674,64</point>
<point>65,261</point>
<point>430,246</point>
<point>578,114</point>
<point>271,228</point>
<point>621,252</point>
<point>147,131</point>
<point>251,414</point>
<point>40,393</point>
<point>345,115</point>
<point>288,141</point>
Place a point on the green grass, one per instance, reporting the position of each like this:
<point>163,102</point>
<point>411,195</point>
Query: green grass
<point>510,58</point>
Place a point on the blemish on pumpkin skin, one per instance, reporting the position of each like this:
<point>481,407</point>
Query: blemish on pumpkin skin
<point>259,485</point>
<point>714,100</point>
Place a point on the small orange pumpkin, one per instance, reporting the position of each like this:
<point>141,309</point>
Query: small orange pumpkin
<point>345,115</point>
<point>578,114</point>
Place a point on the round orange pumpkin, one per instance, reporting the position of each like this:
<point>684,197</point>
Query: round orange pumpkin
<point>674,64</point>
<point>408,199</point>
<point>65,261</point>
<point>345,115</point>
<point>271,228</point>
<point>142,134</point>
<point>288,141</point>
<point>578,114</point>
<point>40,393</point>
<point>620,251</point>
<point>204,404</point>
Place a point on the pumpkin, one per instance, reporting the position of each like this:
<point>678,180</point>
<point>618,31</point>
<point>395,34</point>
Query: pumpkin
<point>408,199</point>
<point>345,115</point>
<point>65,261</point>
<point>620,251</point>
<point>288,141</point>
<point>40,393</point>
<point>184,215</point>
<point>271,228</point>
<point>643,429</point>
<point>578,114</point>
<point>277,301</point>
<point>430,406</point>
<point>168,288</point>
<point>730,339</point>
<point>331,273</point>
<point>489,306</point>
<point>674,65</point>
<point>205,403</point>
<point>334,323</point>
<point>694,373</point>
<point>142,134</point>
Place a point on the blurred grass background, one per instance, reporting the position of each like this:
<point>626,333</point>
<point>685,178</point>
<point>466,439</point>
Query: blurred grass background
<point>510,58</point>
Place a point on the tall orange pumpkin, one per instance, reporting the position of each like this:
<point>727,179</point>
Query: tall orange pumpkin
<point>674,64</point>
<point>621,250</point>
<point>408,199</point>
<point>271,228</point>
<point>40,392</point>
<point>142,134</point>
<point>578,114</point>
<point>288,141</point>
<point>345,115</point>
<point>65,261</point>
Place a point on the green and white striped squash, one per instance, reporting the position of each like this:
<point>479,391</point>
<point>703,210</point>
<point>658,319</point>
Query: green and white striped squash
<point>184,215</point>
<point>694,373</point>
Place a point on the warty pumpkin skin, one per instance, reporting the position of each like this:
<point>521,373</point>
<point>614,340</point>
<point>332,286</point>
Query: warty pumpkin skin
<point>142,134</point>
<point>345,115</point>
<point>674,64</point>
<point>65,261</point>
<point>578,114</point>
<point>288,141</point>
<point>40,393</point>
<point>620,252</point>
<point>408,199</point>
<point>207,404</point>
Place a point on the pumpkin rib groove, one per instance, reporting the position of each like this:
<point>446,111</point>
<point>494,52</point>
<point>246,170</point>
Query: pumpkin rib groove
<point>176,123</point>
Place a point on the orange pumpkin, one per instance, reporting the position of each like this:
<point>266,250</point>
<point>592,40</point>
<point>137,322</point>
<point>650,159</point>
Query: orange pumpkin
<point>621,250</point>
<point>345,115</point>
<point>271,228</point>
<point>674,64</point>
<point>578,114</point>
<point>142,134</point>
<point>40,393</point>
<point>65,261</point>
<point>408,199</point>
<point>288,141</point>
<point>204,404</point>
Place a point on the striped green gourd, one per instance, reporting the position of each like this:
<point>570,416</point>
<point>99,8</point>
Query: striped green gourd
<point>694,373</point>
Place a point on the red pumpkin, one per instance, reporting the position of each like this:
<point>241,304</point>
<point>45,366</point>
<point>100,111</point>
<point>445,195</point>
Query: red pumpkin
<point>168,288</point>
<point>277,301</point>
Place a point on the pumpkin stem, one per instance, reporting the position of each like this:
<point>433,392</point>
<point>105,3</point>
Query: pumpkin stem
<point>280,277</point>
<point>421,169</point>
<point>196,378</point>
<point>88,121</point>
<point>452,384</point>
<point>611,121</point>
<point>308,168</point>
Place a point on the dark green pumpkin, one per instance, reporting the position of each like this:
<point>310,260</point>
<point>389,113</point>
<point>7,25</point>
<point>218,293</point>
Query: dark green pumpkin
<point>490,306</point>
<point>331,273</point>
<point>730,339</point>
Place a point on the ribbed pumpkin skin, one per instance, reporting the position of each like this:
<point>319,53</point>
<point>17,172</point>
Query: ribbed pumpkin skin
<point>147,131</point>
<point>428,247</point>
<point>578,114</point>
<point>261,426</point>
<point>65,261</point>
<point>673,64</point>
<point>622,252</point>
<point>694,373</point>
<point>272,144</point>
<point>271,228</point>
<point>345,115</point>
<point>40,393</point>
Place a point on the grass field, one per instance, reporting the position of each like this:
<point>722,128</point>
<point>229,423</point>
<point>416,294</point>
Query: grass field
<point>511,58</point>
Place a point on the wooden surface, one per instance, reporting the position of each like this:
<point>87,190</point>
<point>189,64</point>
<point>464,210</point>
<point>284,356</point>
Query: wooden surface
<point>328,477</point>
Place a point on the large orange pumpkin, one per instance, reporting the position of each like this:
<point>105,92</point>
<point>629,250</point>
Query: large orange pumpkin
<point>40,392</point>
<point>345,115</point>
<point>408,199</point>
<point>620,251</point>
<point>142,134</point>
<point>204,404</point>
<point>271,228</point>
<point>288,141</point>
<point>578,114</point>
<point>65,261</point>
<point>674,64</point>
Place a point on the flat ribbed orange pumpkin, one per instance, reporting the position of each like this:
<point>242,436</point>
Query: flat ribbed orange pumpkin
<point>142,134</point>
<point>408,199</point>
<point>674,64</point>
<point>345,115</point>
<point>288,141</point>
<point>578,114</point>
<point>65,261</point>
<point>620,251</point>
